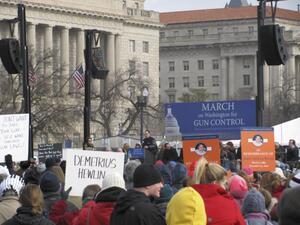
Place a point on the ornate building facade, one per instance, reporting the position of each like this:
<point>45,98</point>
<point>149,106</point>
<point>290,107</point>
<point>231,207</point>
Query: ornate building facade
<point>215,50</point>
<point>128,33</point>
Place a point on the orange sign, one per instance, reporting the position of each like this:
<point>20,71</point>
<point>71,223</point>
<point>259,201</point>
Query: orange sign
<point>201,146</point>
<point>258,149</point>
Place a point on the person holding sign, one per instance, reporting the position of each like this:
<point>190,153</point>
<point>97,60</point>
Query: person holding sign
<point>134,206</point>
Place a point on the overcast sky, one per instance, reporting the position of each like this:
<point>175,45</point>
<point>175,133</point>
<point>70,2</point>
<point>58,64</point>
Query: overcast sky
<point>178,5</point>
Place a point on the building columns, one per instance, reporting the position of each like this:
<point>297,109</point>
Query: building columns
<point>110,60</point>
<point>119,53</point>
<point>231,77</point>
<point>79,47</point>
<point>64,61</point>
<point>292,75</point>
<point>48,54</point>
<point>224,78</point>
<point>31,40</point>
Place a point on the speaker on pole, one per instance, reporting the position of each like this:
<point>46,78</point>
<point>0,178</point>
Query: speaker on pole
<point>273,45</point>
<point>10,55</point>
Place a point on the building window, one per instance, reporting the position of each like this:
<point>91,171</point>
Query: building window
<point>145,46</point>
<point>171,66</point>
<point>132,66</point>
<point>190,33</point>
<point>215,96</point>
<point>171,82</point>
<point>200,81</point>
<point>145,69</point>
<point>132,45</point>
<point>162,34</point>
<point>246,63</point>
<point>246,79</point>
<point>215,64</point>
<point>205,31</point>
<point>235,30</point>
<point>186,65</point>
<point>200,65</point>
<point>251,29</point>
<point>215,81</point>
<point>186,82</point>
<point>171,98</point>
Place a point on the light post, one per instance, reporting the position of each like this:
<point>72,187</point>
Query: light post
<point>142,103</point>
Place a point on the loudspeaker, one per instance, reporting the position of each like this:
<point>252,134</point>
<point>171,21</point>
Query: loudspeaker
<point>99,71</point>
<point>273,45</point>
<point>10,55</point>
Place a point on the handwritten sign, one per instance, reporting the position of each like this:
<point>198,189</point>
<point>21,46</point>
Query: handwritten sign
<point>14,136</point>
<point>90,167</point>
<point>49,151</point>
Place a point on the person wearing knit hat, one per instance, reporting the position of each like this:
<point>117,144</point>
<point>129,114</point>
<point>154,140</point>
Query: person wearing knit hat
<point>53,192</point>
<point>9,196</point>
<point>289,207</point>
<point>99,211</point>
<point>254,208</point>
<point>186,208</point>
<point>238,189</point>
<point>129,169</point>
<point>134,206</point>
<point>295,181</point>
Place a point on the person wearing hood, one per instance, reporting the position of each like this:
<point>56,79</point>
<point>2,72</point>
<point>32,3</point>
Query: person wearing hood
<point>9,196</point>
<point>254,209</point>
<point>211,182</point>
<point>134,206</point>
<point>31,210</point>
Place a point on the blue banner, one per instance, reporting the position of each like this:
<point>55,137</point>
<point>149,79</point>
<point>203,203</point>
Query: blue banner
<point>222,118</point>
<point>136,153</point>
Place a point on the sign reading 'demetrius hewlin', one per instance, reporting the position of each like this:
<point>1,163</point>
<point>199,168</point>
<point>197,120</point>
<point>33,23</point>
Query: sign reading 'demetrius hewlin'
<point>90,167</point>
<point>14,131</point>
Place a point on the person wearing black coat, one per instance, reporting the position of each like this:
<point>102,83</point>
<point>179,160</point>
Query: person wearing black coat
<point>150,146</point>
<point>134,206</point>
<point>31,210</point>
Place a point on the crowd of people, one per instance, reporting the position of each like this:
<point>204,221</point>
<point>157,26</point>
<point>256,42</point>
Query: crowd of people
<point>156,191</point>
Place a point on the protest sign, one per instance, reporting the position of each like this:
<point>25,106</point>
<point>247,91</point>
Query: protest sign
<point>14,136</point>
<point>136,153</point>
<point>195,147</point>
<point>90,167</point>
<point>49,151</point>
<point>258,149</point>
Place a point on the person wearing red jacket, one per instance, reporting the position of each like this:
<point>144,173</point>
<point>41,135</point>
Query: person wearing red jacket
<point>210,179</point>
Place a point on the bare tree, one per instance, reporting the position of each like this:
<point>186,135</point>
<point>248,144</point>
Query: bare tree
<point>52,116</point>
<point>119,102</point>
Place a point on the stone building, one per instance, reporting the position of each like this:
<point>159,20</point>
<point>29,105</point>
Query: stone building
<point>128,34</point>
<point>215,49</point>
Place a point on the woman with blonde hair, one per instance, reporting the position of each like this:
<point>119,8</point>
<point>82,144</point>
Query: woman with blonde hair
<point>31,210</point>
<point>211,183</point>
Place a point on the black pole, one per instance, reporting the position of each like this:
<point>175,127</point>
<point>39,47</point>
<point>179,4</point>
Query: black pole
<point>26,88</point>
<point>261,10</point>
<point>87,90</point>
<point>142,123</point>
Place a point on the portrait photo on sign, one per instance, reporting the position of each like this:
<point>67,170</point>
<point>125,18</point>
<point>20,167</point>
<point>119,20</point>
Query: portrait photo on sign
<point>257,140</point>
<point>200,148</point>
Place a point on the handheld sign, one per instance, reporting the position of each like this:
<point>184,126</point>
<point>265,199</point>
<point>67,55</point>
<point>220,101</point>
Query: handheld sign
<point>90,167</point>
<point>14,136</point>
<point>49,151</point>
<point>136,153</point>
<point>195,147</point>
<point>258,149</point>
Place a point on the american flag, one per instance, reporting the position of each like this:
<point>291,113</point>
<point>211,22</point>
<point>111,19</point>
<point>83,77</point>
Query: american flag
<point>78,76</point>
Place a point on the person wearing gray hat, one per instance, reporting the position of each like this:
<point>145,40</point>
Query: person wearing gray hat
<point>134,206</point>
